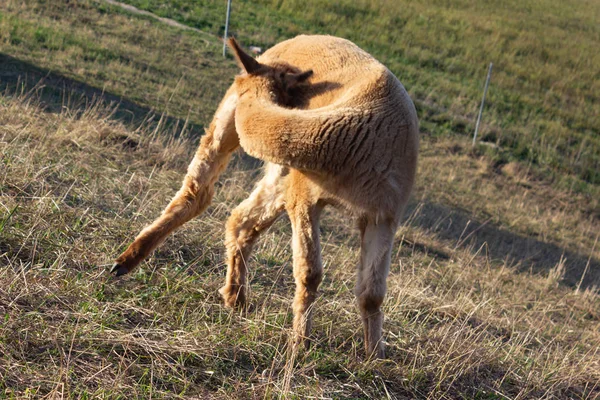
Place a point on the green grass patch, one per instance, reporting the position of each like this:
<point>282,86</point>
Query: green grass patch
<point>543,96</point>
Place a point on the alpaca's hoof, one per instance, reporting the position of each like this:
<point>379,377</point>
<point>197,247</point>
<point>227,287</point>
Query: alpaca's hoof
<point>119,269</point>
<point>233,297</point>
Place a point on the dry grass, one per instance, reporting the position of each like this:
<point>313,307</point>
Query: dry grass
<point>493,292</point>
<point>75,188</point>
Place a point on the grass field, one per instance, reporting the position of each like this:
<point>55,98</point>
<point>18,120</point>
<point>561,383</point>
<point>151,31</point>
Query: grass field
<point>543,106</point>
<point>493,292</point>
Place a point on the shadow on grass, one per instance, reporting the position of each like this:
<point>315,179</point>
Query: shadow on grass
<point>529,254</point>
<point>56,92</point>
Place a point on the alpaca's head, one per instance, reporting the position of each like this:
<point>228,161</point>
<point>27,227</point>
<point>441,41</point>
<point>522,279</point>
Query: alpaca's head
<point>275,81</point>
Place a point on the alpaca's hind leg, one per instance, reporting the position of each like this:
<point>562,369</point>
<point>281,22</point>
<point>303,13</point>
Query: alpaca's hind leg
<point>308,270</point>
<point>376,245</point>
<point>246,223</point>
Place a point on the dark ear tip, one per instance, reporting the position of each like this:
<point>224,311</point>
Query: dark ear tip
<point>244,60</point>
<point>232,43</point>
<point>305,75</point>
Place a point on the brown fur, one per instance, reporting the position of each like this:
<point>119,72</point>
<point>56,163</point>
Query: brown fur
<point>336,128</point>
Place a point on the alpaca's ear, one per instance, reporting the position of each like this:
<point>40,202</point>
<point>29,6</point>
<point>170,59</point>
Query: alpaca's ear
<point>292,80</point>
<point>245,61</point>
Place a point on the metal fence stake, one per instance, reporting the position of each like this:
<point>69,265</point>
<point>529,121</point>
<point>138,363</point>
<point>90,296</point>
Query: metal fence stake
<point>487,82</point>
<point>226,28</point>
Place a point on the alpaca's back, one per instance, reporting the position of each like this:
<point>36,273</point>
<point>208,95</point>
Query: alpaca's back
<point>338,65</point>
<point>356,131</point>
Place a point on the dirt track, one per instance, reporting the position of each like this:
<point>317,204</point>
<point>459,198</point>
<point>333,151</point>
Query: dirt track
<point>167,21</point>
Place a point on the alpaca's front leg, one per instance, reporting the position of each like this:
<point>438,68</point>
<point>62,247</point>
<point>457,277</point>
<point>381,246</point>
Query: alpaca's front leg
<point>196,193</point>
<point>190,201</point>
<point>247,221</point>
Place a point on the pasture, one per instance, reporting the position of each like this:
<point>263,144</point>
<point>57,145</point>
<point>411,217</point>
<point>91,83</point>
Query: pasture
<point>493,291</point>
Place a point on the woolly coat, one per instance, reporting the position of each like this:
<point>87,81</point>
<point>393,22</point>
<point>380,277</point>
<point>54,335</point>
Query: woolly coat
<point>354,126</point>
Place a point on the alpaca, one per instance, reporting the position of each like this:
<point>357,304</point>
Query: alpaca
<point>335,127</point>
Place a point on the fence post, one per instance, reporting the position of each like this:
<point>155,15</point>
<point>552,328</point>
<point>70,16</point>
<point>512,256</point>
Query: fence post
<point>487,82</point>
<point>226,28</point>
